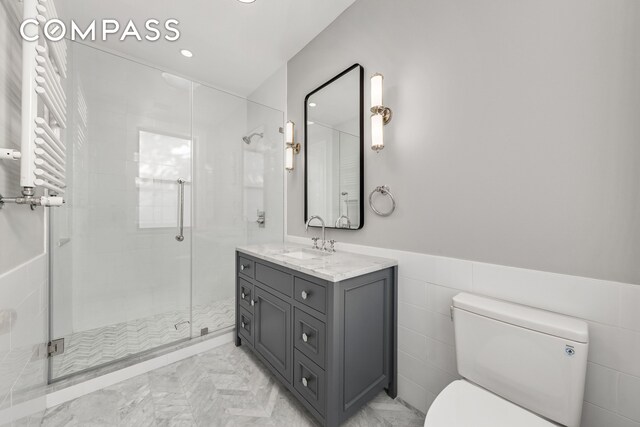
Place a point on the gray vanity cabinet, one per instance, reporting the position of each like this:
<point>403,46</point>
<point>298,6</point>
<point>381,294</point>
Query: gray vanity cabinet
<point>272,337</point>
<point>332,344</point>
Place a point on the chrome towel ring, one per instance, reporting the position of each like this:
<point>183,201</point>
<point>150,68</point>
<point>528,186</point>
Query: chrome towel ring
<point>384,190</point>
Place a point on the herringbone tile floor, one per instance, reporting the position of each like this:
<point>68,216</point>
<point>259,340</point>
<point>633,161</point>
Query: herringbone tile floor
<point>226,386</point>
<point>95,347</point>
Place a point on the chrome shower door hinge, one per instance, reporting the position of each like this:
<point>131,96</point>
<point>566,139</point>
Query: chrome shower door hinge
<point>55,347</point>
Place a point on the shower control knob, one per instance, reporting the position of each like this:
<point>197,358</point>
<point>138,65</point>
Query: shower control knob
<point>304,294</point>
<point>305,382</point>
<point>305,337</point>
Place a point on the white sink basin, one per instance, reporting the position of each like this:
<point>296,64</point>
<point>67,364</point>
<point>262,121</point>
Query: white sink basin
<point>302,254</point>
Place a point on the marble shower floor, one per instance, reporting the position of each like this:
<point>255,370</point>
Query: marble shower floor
<point>95,347</point>
<point>226,386</point>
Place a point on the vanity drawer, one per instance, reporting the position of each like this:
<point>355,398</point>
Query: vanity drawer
<point>310,336</point>
<point>275,279</point>
<point>245,294</point>
<point>309,381</point>
<point>245,266</point>
<point>310,294</point>
<point>245,326</point>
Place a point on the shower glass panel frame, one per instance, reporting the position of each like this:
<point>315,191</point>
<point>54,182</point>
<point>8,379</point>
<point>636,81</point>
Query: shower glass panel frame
<point>122,284</point>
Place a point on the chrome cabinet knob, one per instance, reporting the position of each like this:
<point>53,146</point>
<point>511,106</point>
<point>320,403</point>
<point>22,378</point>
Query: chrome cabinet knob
<point>243,267</point>
<point>242,295</point>
<point>305,337</point>
<point>243,325</point>
<point>305,382</point>
<point>253,302</point>
<point>304,294</point>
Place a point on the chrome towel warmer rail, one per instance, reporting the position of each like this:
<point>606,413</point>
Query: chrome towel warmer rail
<point>42,153</point>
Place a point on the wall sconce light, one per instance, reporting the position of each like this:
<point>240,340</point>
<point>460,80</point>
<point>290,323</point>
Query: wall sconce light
<point>292,148</point>
<point>380,116</point>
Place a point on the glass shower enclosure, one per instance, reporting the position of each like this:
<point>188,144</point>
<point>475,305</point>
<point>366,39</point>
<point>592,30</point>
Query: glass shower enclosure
<point>163,183</point>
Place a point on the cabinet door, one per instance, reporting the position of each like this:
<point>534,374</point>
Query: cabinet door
<point>272,335</point>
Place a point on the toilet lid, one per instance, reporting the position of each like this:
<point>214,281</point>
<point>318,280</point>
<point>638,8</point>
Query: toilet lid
<point>462,404</point>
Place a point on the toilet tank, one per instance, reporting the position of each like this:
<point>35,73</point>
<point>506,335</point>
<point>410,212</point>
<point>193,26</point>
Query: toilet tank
<point>534,358</point>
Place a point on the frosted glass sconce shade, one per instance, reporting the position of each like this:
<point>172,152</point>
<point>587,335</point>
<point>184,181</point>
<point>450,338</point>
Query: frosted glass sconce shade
<point>291,148</point>
<point>376,89</point>
<point>377,132</point>
<point>381,115</point>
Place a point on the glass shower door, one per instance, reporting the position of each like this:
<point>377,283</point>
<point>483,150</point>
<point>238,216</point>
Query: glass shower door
<point>121,246</point>
<point>239,195</point>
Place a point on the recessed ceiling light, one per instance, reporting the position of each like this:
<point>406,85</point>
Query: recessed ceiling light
<point>312,104</point>
<point>187,53</point>
<point>246,1</point>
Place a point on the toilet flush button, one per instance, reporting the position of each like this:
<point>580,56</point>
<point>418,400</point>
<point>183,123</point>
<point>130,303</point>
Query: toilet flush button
<point>569,350</point>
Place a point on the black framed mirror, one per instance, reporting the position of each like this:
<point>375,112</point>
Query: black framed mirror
<point>334,151</point>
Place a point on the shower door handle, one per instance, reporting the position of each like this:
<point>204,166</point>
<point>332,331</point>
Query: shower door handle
<point>180,236</point>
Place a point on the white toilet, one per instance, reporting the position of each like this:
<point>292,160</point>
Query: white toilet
<point>520,366</point>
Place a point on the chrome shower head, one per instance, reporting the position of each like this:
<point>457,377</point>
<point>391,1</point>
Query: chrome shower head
<point>247,139</point>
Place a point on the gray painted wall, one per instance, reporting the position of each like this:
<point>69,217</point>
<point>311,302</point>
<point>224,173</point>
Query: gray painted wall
<point>515,137</point>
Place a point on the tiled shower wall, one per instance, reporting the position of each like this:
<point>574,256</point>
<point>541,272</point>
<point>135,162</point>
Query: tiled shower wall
<point>114,270</point>
<point>427,361</point>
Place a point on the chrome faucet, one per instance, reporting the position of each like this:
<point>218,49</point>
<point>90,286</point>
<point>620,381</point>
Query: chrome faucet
<point>339,220</point>
<point>315,242</point>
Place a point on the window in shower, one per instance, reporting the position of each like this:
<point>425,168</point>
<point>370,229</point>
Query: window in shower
<point>162,160</point>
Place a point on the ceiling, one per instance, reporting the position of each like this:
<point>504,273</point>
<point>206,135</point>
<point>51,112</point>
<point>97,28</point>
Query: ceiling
<point>236,46</point>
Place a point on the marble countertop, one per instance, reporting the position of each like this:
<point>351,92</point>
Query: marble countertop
<point>333,267</point>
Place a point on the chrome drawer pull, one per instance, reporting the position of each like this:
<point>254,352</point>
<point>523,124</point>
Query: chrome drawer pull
<point>305,382</point>
<point>244,267</point>
<point>304,294</point>
<point>305,337</point>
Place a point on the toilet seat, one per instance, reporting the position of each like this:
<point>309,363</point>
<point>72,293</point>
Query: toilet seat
<point>463,404</point>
